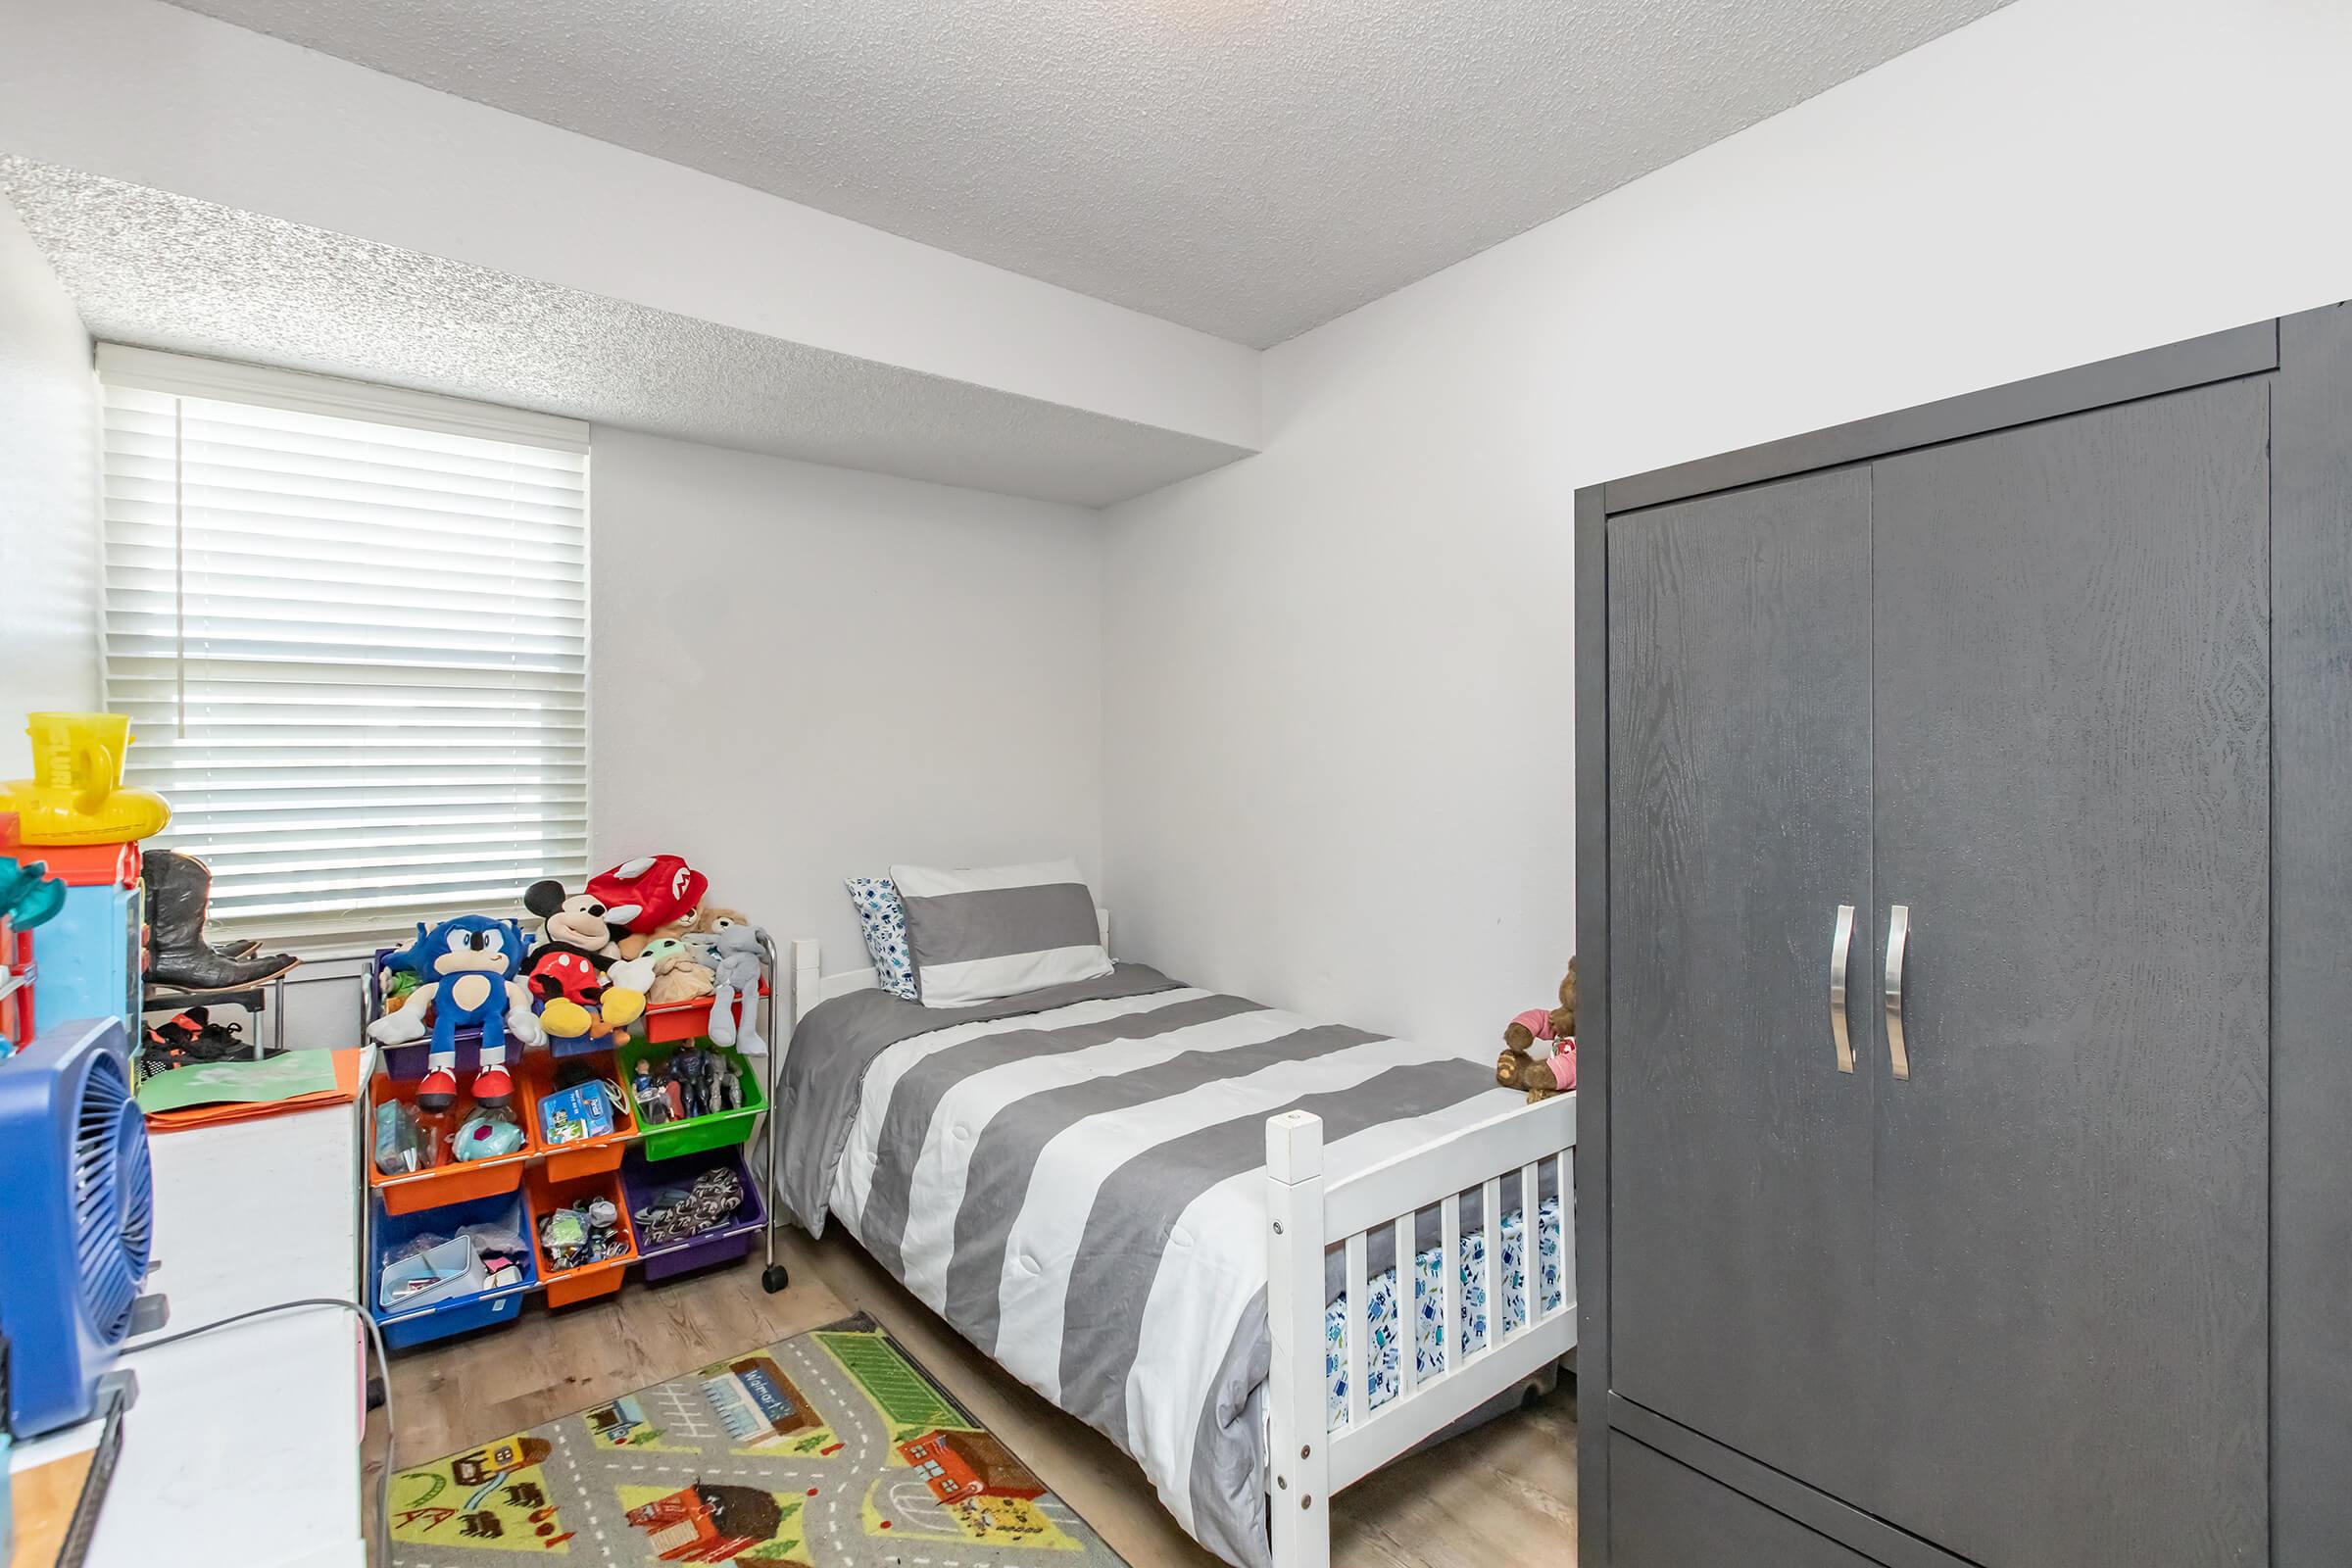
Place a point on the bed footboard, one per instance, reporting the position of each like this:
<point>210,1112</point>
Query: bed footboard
<point>1307,1462</point>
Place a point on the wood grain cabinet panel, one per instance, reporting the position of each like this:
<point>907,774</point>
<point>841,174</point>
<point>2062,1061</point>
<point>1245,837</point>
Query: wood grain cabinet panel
<point>2071,739</point>
<point>1739,789</point>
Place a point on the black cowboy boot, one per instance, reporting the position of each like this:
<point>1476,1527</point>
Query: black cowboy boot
<point>179,888</point>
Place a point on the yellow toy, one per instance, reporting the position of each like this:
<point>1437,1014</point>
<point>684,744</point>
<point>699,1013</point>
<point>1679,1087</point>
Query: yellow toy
<point>76,795</point>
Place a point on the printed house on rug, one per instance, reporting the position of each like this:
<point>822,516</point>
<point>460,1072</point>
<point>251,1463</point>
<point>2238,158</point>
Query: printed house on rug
<point>968,1464</point>
<point>758,1403</point>
<point>709,1524</point>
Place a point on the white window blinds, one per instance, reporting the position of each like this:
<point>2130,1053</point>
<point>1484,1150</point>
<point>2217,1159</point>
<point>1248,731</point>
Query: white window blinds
<point>349,625</point>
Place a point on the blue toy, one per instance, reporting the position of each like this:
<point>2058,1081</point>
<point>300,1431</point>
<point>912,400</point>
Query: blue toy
<point>28,897</point>
<point>411,960</point>
<point>486,1135</point>
<point>28,894</point>
<point>474,962</point>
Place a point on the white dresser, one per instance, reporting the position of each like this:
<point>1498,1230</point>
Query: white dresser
<point>243,1449</point>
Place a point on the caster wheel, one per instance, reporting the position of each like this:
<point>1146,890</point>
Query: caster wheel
<point>375,1394</point>
<point>774,1278</point>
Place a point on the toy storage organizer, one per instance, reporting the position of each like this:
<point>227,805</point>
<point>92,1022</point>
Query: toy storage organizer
<point>632,1164</point>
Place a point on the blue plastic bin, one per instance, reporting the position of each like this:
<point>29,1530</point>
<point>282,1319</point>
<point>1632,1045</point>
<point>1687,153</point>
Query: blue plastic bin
<point>463,1313</point>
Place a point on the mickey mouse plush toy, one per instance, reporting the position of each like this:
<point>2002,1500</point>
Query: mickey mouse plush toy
<point>474,961</point>
<point>583,984</point>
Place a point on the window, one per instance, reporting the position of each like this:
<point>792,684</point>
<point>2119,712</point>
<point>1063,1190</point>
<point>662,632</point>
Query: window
<point>349,625</point>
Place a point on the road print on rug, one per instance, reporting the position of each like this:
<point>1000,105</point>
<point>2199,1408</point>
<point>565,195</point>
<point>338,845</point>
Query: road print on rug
<point>831,1449</point>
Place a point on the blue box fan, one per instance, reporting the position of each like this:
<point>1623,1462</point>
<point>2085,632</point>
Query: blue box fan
<point>76,1215</point>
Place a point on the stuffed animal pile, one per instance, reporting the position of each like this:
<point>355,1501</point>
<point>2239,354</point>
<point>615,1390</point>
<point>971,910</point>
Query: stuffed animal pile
<point>637,936</point>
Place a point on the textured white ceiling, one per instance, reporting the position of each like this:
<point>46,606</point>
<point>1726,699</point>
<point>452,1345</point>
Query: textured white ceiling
<point>1250,168</point>
<point>160,270</point>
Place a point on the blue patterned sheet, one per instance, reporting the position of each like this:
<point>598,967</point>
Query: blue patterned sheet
<point>1428,1311</point>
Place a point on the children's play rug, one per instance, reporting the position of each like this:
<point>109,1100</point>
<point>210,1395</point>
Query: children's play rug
<point>831,1448</point>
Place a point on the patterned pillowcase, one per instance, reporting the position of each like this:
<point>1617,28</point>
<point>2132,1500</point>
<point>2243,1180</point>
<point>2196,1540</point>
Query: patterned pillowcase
<point>882,916</point>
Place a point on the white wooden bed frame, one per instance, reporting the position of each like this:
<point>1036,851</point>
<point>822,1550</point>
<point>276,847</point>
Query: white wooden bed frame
<point>1308,1463</point>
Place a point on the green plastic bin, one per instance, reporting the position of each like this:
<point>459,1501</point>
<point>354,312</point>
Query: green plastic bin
<point>719,1129</point>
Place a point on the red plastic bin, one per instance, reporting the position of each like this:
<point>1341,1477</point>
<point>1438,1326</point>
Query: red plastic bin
<point>680,1020</point>
<point>589,1281</point>
<point>449,1181</point>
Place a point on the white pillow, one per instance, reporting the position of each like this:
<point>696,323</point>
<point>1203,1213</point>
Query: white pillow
<point>978,935</point>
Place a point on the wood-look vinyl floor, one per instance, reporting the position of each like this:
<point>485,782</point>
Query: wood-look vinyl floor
<point>1501,1497</point>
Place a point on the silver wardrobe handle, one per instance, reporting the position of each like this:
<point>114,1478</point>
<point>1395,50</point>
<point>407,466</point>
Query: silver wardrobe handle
<point>1841,941</point>
<point>1899,940</point>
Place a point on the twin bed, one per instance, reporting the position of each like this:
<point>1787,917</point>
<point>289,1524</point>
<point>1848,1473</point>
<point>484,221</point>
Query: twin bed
<point>1178,1216</point>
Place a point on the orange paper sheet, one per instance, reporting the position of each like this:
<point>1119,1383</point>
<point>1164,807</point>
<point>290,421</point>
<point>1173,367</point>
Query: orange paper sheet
<point>346,1090</point>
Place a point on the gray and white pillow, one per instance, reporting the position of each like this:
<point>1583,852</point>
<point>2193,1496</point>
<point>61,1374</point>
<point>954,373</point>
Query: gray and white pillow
<point>998,931</point>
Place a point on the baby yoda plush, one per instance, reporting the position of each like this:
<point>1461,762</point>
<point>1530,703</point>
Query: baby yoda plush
<point>731,946</point>
<point>1541,1077</point>
<point>677,976</point>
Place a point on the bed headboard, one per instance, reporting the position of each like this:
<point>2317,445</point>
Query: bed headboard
<point>810,985</point>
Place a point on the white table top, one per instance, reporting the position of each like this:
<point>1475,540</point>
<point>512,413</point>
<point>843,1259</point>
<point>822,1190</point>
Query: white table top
<point>243,1448</point>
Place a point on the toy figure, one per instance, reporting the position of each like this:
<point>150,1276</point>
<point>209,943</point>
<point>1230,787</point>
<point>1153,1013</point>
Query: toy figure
<point>652,1106</point>
<point>583,1233</point>
<point>1541,1077</point>
<point>733,948</point>
<point>729,1094</point>
<point>565,1236</point>
<point>475,960</point>
<point>686,1073</point>
<point>28,894</point>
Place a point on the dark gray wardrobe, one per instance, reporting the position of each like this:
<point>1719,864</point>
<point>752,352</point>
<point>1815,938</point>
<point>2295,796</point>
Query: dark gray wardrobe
<point>1965,920</point>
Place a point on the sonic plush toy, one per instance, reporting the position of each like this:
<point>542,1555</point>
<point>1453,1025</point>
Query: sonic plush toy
<point>476,960</point>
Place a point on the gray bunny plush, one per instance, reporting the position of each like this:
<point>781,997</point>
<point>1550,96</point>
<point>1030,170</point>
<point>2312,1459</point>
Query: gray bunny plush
<point>732,948</point>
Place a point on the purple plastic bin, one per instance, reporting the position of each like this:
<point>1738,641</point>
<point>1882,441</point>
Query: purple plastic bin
<point>642,1179</point>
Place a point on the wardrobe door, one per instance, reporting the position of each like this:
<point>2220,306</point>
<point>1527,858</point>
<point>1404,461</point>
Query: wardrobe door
<point>1738,823</point>
<point>2071,647</point>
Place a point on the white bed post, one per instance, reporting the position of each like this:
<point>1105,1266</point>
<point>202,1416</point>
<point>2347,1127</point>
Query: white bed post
<point>807,988</point>
<point>1297,1496</point>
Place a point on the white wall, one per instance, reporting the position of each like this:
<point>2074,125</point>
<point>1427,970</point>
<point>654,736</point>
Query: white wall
<point>48,498</point>
<point>801,673</point>
<point>1340,750</point>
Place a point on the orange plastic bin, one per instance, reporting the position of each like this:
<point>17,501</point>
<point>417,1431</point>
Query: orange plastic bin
<point>587,1157</point>
<point>589,1281</point>
<point>446,1181</point>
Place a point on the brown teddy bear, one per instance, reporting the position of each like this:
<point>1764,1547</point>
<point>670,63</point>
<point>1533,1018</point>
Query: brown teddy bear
<point>1541,1077</point>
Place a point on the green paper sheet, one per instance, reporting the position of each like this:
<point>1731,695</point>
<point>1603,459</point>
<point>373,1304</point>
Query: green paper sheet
<point>297,1072</point>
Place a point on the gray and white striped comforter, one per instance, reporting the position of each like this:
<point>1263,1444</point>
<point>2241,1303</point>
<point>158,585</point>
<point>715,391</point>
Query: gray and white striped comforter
<point>1075,1181</point>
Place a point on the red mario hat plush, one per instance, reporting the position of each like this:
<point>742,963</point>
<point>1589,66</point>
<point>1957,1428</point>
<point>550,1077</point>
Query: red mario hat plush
<point>662,888</point>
